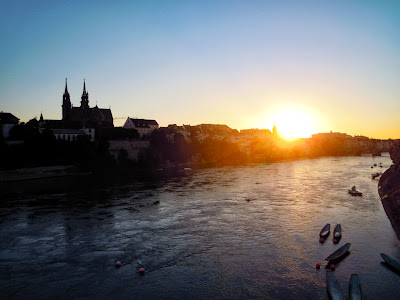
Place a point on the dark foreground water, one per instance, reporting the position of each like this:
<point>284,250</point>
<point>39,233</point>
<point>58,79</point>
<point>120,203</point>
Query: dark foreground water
<point>228,233</point>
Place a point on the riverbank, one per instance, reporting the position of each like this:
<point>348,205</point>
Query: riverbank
<point>60,179</point>
<point>389,190</point>
<point>38,173</point>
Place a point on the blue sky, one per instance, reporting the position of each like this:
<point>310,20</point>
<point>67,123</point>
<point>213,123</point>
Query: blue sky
<point>246,64</point>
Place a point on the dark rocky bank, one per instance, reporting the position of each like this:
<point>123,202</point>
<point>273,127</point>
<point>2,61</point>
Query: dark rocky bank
<point>389,190</point>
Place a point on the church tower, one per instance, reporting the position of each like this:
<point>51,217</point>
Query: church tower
<point>85,97</point>
<point>66,106</point>
<point>274,130</point>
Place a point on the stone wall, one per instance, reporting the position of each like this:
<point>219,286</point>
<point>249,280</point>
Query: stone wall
<point>389,189</point>
<point>132,147</point>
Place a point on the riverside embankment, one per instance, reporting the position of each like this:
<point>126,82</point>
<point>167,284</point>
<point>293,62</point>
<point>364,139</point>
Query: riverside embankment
<point>38,172</point>
<point>389,190</point>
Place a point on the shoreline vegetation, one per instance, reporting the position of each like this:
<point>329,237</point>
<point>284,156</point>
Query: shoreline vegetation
<point>389,190</point>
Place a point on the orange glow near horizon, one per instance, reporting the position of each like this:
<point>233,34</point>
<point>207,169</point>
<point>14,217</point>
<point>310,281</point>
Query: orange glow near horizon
<point>294,122</point>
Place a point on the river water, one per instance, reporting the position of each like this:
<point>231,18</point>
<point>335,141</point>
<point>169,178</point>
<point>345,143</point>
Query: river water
<point>226,233</point>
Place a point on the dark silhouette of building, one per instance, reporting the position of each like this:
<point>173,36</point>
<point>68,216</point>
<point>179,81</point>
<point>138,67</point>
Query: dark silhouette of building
<point>7,121</point>
<point>8,118</point>
<point>85,115</point>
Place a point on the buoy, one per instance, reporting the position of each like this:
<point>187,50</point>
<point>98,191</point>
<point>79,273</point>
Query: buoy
<point>335,241</point>
<point>321,240</point>
<point>318,266</point>
<point>141,270</point>
<point>118,264</point>
<point>333,267</point>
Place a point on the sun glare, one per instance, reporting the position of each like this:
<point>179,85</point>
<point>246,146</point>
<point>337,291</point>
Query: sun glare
<point>294,123</point>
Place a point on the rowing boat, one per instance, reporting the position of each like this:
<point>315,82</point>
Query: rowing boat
<point>355,288</point>
<point>339,252</point>
<point>337,232</point>
<point>333,287</point>
<point>325,231</point>
<point>391,261</point>
<point>354,192</point>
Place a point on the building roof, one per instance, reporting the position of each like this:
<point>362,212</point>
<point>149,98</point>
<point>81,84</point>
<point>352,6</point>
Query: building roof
<point>142,123</point>
<point>60,124</point>
<point>8,118</point>
<point>92,115</point>
<point>106,114</point>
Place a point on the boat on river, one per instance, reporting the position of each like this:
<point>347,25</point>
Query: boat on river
<point>339,252</point>
<point>325,231</point>
<point>375,175</point>
<point>354,192</point>
<point>337,232</point>
<point>333,287</point>
<point>391,261</point>
<point>355,292</point>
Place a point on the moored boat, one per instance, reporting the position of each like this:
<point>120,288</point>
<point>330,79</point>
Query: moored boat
<point>391,261</point>
<point>355,292</point>
<point>339,252</point>
<point>354,192</point>
<point>375,175</point>
<point>333,287</point>
<point>337,232</point>
<point>325,231</point>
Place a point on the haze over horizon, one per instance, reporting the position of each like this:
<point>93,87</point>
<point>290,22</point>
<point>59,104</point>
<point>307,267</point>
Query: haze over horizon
<point>308,66</point>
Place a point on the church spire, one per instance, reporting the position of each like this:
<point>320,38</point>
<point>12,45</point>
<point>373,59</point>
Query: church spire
<point>66,105</point>
<point>85,96</point>
<point>66,87</point>
<point>84,87</point>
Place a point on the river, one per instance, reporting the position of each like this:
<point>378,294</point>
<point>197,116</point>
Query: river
<point>223,233</point>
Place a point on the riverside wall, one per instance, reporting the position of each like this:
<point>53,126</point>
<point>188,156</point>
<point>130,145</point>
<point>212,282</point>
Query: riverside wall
<point>132,147</point>
<point>389,190</point>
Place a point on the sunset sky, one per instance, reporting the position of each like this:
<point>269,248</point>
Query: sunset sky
<point>308,66</point>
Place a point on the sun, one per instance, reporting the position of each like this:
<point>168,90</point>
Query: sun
<point>293,123</point>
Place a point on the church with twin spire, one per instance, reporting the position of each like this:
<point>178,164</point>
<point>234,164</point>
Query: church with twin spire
<point>94,117</point>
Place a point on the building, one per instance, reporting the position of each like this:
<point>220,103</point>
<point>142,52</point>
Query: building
<point>87,116</point>
<point>7,121</point>
<point>82,120</point>
<point>72,134</point>
<point>143,127</point>
<point>330,135</point>
<point>65,130</point>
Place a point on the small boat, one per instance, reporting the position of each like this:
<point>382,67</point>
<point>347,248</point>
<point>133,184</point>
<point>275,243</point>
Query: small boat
<point>355,288</point>
<point>375,175</point>
<point>354,192</point>
<point>391,261</point>
<point>339,252</point>
<point>325,231</point>
<point>333,287</point>
<point>337,232</point>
